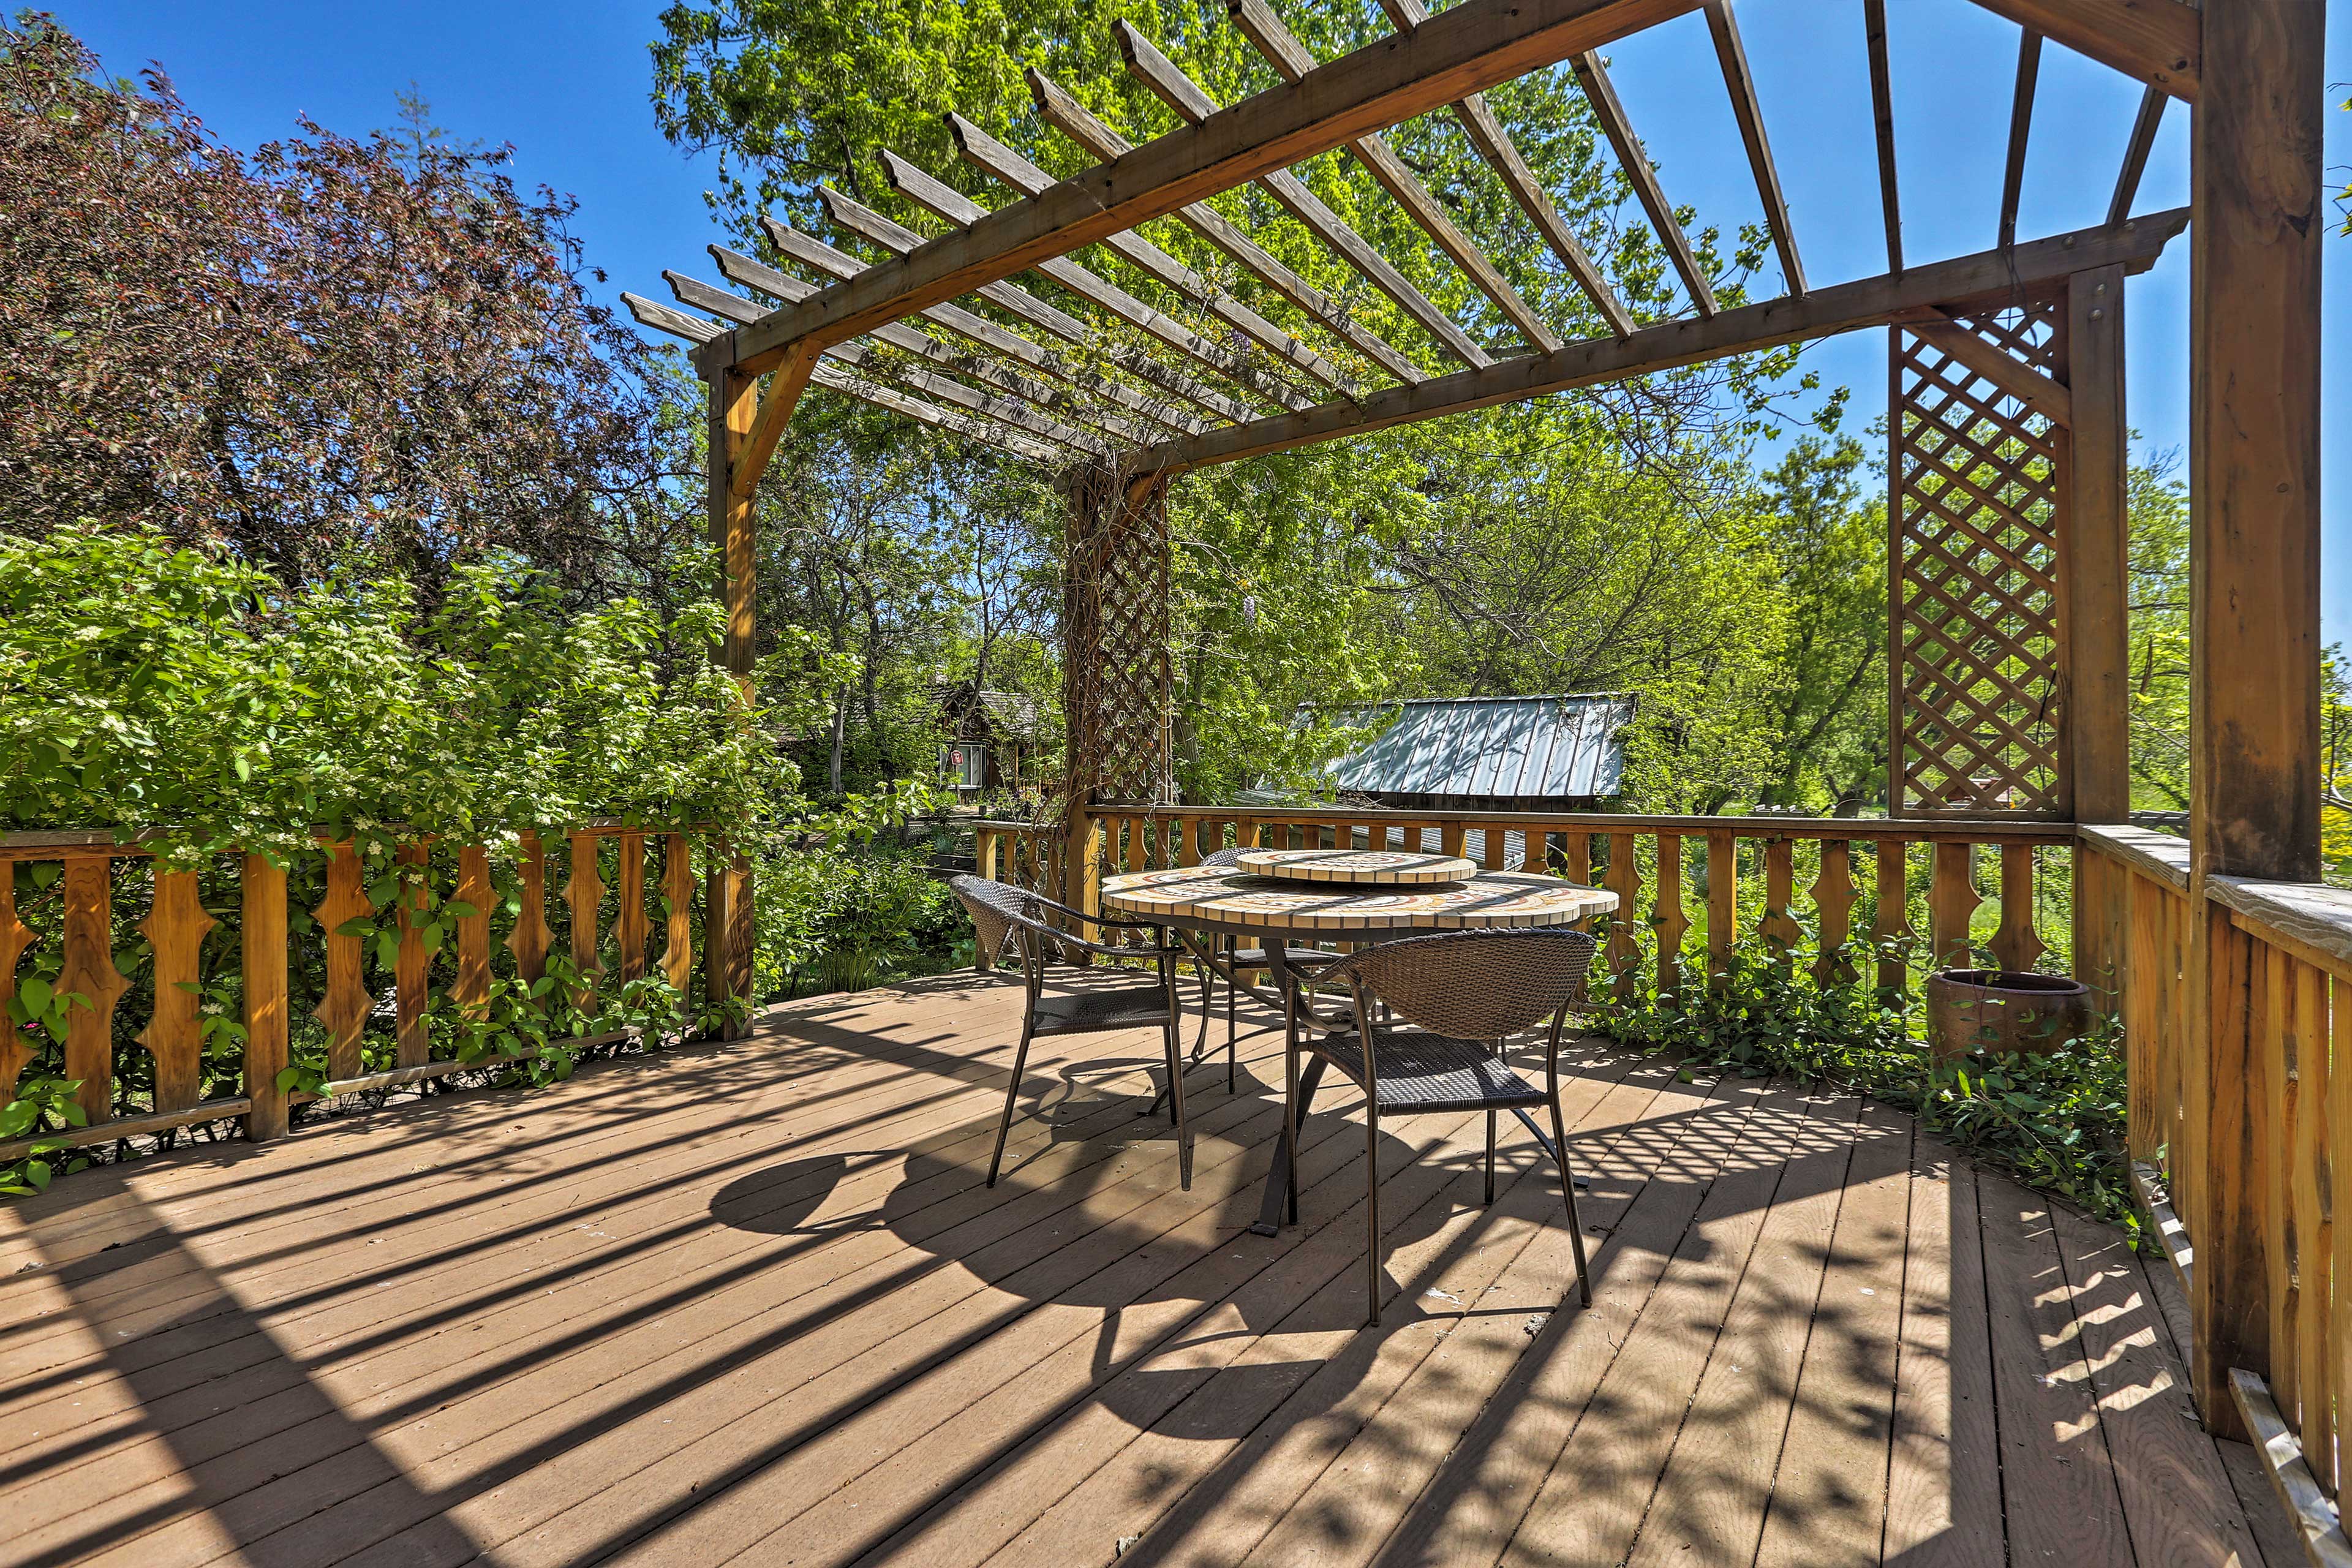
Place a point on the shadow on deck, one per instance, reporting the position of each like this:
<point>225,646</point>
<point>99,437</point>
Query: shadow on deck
<point>751,1302</point>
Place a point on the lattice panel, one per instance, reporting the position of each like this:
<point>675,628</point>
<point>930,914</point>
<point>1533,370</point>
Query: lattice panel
<point>1977,663</point>
<point>1116,630</point>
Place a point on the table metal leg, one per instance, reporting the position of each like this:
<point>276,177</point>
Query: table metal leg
<point>1278,1181</point>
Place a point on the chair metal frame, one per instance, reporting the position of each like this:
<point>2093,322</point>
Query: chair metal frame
<point>1474,987</point>
<point>1000,911</point>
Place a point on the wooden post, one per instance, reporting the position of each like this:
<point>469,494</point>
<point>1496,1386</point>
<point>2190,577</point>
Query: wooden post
<point>262,934</point>
<point>2260,213</point>
<point>2098,646</point>
<point>743,432</point>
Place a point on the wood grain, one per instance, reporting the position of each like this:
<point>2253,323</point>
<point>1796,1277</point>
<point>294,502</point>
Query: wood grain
<point>89,972</point>
<point>174,928</point>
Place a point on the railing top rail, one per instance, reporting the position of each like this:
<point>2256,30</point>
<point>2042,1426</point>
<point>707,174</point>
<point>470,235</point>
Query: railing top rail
<point>2306,916</point>
<point>2161,855</point>
<point>1911,829</point>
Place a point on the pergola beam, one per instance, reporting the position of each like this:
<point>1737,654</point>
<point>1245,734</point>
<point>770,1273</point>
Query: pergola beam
<point>946,203</point>
<point>1502,154</point>
<point>1607,108</point>
<point>1872,302</point>
<point>2021,128</point>
<point>897,238</point>
<point>1182,94</point>
<point>1072,120</point>
<point>1472,47</point>
<point>1741,82</point>
<point>993,157</point>
<point>811,251</point>
<point>1882,107</point>
<point>1291,60</point>
<point>2160,42</point>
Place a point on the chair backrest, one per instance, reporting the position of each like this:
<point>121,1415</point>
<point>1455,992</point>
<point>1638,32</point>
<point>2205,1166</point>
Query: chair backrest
<point>1474,984</point>
<point>997,910</point>
<point>1222,858</point>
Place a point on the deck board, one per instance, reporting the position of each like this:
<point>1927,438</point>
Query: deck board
<point>751,1302</point>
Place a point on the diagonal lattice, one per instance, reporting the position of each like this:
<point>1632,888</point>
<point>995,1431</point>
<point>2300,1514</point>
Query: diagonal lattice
<point>1978,652</point>
<point>1115,627</point>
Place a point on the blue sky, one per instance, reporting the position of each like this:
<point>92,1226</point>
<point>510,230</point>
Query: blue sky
<point>567,85</point>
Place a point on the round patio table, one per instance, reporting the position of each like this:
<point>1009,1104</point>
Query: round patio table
<point>1202,901</point>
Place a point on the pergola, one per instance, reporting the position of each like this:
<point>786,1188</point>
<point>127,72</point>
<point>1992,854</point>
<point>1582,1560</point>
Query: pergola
<point>2008,679</point>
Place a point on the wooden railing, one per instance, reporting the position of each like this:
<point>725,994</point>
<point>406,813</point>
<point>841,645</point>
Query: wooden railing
<point>229,938</point>
<point>1673,875</point>
<point>2241,1117</point>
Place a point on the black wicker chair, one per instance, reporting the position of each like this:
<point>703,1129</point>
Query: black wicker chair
<point>1465,992</point>
<point>1001,913</point>
<point>1229,962</point>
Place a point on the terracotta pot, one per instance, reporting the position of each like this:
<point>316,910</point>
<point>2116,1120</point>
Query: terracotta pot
<point>2003,1013</point>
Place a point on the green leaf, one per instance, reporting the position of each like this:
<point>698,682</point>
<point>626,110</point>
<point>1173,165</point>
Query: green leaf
<point>37,1172</point>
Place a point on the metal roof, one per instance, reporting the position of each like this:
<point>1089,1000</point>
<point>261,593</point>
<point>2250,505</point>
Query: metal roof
<point>1564,745</point>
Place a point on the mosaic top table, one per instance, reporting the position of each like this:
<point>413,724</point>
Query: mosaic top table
<point>1230,901</point>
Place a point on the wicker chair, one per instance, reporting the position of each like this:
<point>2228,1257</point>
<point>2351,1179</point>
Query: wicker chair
<point>1230,962</point>
<point>1001,913</point>
<point>1465,992</point>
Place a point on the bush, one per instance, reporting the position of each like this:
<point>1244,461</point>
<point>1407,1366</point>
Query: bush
<point>2057,1122</point>
<point>844,919</point>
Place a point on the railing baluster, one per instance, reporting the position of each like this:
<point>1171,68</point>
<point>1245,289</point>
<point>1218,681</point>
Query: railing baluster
<point>471,990</point>
<point>629,917</point>
<point>2016,945</point>
<point>1671,919</point>
<point>2274,1032</point>
<point>16,936</point>
<point>2338,1326</point>
<point>1580,858</point>
<point>1952,901</point>
<point>2146,1014</point>
<point>345,1004</point>
<point>1891,927</point>
<point>261,931</point>
<point>1722,900</point>
<point>1777,926</point>
<point>412,969</point>
<point>583,894</point>
<point>530,939</point>
<point>678,888</point>
<point>1833,898</point>
<point>1624,949</point>
<point>89,972</point>
<point>174,928</point>
<point>2311,1234</point>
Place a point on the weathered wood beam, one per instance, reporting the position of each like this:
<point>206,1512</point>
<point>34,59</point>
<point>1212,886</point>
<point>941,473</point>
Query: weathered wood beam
<point>1007,411</point>
<point>1502,154</point>
<point>2096,566</point>
<point>986,152</point>
<point>2136,151</point>
<point>943,200</point>
<point>2020,127</point>
<point>2160,42</point>
<point>1882,107</point>
<point>1741,83</point>
<point>1072,120</point>
<point>896,237</point>
<point>1461,50</point>
<point>2012,375</point>
<point>813,252</point>
<point>1291,60</point>
<point>1871,301</point>
<point>1182,94</point>
<point>754,274</point>
<point>1607,109</point>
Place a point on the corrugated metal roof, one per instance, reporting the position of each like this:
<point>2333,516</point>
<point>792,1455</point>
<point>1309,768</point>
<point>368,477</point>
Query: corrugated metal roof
<point>1492,746</point>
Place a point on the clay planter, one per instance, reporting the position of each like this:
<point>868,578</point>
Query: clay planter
<point>2003,1013</point>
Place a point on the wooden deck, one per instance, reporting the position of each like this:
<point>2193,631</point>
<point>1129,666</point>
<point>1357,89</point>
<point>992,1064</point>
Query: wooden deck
<point>751,1303</point>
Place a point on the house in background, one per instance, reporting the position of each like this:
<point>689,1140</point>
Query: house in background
<point>989,738</point>
<point>1491,753</point>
